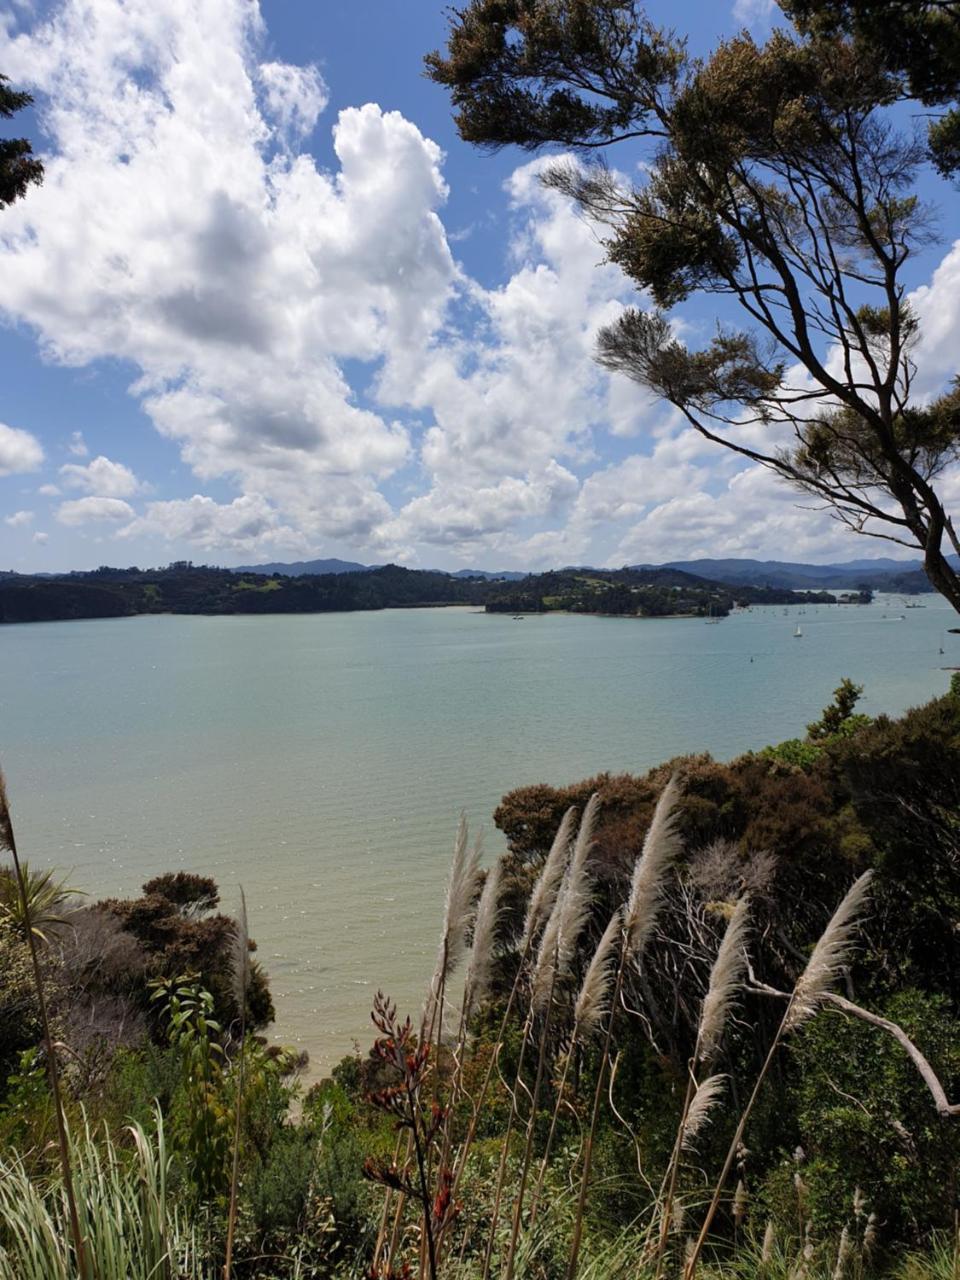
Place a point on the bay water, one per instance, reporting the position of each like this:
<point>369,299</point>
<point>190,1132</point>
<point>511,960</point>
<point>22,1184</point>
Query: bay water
<point>322,760</point>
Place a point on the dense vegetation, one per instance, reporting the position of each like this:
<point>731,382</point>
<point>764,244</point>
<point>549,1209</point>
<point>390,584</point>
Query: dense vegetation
<point>846,1164</point>
<point>187,588</point>
<point>648,593</point>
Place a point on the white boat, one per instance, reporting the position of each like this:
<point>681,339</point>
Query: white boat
<point>798,634</point>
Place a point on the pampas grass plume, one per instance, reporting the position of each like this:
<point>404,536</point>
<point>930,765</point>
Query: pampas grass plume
<point>577,897</point>
<point>544,894</point>
<point>844,1254</point>
<point>480,965</point>
<point>870,1234</point>
<point>594,995</point>
<point>544,966</point>
<point>660,848</point>
<point>769,1240</point>
<point>725,978</point>
<point>462,887</point>
<point>570,911</point>
<point>701,1107</point>
<point>240,968</point>
<point>829,956</point>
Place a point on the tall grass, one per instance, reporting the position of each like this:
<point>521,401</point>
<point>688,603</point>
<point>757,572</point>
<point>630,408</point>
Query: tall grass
<point>459,913</point>
<point>129,1223</point>
<point>8,843</point>
<point>660,848</point>
<point>558,908</point>
<point>558,950</point>
<point>827,959</point>
<point>726,978</point>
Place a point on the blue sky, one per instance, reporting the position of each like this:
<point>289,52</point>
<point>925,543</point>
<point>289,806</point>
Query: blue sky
<point>268,306</point>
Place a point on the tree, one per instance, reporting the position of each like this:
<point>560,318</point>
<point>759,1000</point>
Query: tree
<point>174,923</point>
<point>839,716</point>
<point>918,42</point>
<point>191,894</point>
<point>19,167</point>
<point>778,181</point>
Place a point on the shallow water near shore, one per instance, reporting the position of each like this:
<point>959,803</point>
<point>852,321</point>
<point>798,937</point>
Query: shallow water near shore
<point>322,760</point>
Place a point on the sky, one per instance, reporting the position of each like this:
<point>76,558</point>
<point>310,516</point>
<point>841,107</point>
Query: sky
<point>267,306</point>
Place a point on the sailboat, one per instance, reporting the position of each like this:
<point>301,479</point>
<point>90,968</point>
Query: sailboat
<point>798,634</point>
<point>710,617</point>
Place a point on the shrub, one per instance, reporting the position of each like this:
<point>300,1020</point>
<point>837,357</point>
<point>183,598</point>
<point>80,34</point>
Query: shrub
<point>867,1120</point>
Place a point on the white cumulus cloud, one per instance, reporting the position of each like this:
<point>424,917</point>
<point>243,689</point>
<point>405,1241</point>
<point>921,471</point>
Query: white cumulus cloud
<point>79,511</point>
<point>18,519</point>
<point>247,523</point>
<point>293,96</point>
<point>102,477</point>
<point>19,451</point>
<point>174,230</point>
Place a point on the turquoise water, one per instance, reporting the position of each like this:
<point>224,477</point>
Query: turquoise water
<point>321,761</point>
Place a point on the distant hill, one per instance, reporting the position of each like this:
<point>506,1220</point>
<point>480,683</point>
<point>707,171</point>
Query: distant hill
<point>302,568</point>
<point>186,588</point>
<point>883,574</point>
<point>646,592</point>
<point>503,575</point>
<point>313,568</point>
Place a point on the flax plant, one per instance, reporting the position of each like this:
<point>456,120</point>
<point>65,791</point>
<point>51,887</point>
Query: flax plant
<point>827,960</point>
<point>8,843</point>
<point>660,849</point>
<point>399,1049</point>
<point>131,1230</point>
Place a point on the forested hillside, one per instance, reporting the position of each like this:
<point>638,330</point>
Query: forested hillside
<point>649,593</point>
<point>186,588</point>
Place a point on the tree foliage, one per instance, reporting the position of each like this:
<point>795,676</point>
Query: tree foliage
<point>19,167</point>
<point>179,934</point>
<point>917,41</point>
<point>777,180</point>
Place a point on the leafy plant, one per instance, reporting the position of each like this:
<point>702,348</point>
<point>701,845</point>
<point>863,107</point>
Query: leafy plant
<point>131,1228</point>
<point>202,1118</point>
<point>45,901</point>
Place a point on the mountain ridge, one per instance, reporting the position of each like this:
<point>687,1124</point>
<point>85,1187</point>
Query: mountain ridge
<point>881,573</point>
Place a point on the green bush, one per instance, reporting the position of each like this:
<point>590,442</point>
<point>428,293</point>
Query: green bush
<point>867,1120</point>
<point>20,1026</point>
